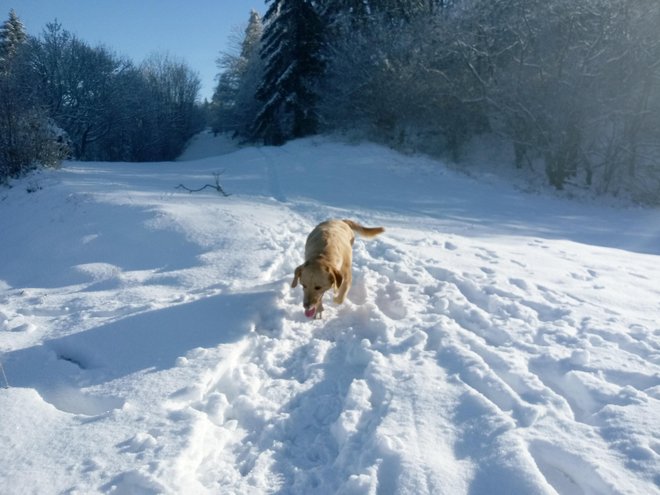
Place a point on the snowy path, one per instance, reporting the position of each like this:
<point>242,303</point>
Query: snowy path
<point>153,345</point>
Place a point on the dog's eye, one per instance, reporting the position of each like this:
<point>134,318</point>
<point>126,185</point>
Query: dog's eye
<point>318,287</point>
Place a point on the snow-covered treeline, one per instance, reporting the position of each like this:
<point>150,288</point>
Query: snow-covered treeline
<point>572,86</point>
<point>59,96</point>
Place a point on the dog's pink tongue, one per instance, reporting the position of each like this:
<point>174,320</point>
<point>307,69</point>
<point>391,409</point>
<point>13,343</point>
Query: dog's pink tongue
<point>309,313</point>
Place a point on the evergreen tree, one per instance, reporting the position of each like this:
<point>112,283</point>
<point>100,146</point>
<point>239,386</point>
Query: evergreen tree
<point>253,33</point>
<point>234,105</point>
<point>291,52</point>
<point>27,136</point>
<point>12,35</point>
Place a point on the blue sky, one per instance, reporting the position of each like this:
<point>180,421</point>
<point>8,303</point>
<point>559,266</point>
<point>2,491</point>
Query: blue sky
<point>194,30</point>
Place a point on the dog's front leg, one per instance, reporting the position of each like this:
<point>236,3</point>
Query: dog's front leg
<point>341,293</point>
<point>319,311</point>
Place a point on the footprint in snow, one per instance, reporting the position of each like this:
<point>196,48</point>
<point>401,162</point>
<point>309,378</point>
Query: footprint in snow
<point>392,302</point>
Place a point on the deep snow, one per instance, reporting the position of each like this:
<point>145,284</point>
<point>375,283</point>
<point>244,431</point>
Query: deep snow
<point>493,342</point>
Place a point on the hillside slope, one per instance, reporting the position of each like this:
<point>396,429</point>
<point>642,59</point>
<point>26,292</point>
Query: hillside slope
<point>493,341</point>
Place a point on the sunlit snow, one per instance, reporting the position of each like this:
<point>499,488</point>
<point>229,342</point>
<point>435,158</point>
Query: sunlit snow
<point>494,341</point>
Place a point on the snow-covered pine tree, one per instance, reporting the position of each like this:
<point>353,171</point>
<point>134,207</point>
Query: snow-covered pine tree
<point>253,33</point>
<point>234,105</point>
<point>251,73</point>
<point>12,35</point>
<point>27,137</point>
<point>293,64</point>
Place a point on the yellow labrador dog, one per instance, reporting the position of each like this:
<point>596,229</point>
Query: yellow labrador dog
<point>328,258</point>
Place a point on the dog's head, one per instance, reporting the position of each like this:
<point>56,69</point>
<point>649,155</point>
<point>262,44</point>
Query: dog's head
<point>316,277</point>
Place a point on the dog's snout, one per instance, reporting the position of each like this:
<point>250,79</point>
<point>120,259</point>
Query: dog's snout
<point>307,303</point>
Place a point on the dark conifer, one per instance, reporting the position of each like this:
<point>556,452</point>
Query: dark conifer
<point>291,52</point>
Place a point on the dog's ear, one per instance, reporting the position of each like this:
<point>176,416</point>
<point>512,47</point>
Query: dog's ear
<point>296,276</point>
<point>336,277</point>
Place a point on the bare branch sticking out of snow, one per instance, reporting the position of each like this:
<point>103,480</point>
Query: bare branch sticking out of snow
<point>215,186</point>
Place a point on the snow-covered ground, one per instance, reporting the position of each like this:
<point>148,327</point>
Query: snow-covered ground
<point>494,342</point>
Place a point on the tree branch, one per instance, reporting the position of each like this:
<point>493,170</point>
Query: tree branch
<point>215,186</point>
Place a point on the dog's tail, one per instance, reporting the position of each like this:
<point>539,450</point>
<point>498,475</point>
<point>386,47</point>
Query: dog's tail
<point>364,231</point>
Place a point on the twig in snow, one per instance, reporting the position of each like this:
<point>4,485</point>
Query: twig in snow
<point>215,186</point>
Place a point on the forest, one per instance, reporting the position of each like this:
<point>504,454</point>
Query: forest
<point>572,87</point>
<point>61,98</point>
